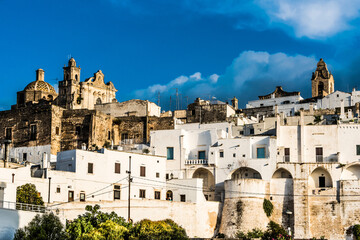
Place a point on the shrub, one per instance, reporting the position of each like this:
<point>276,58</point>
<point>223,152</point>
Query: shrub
<point>158,230</point>
<point>255,233</point>
<point>268,207</point>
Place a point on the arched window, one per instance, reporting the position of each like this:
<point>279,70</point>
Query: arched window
<point>320,88</point>
<point>169,195</point>
<point>98,101</point>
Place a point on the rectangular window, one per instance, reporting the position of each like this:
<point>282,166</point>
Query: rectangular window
<point>82,197</point>
<point>90,168</point>
<point>142,193</point>
<point>33,132</point>
<point>58,190</point>
<point>221,153</point>
<point>170,153</point>
<point>57,130</point>
<point>287,154</point>
<point>109,135</point>
<point>234,154</point>
<point>24,157</point>
<point>124,136</point>
<point>201,155</point>
<point>260,152</point>
<point>182,198</point>
<point>117,168</point>
<point>142,171</point>
<point>167,176</point>
<point>117,192</point>
<point>157,175</point>
<point>357,149</point>
<point>319,154</point>
<point>252,131</point>
<point>157,195</point>
<point>8,134</point>
<point>321,182</point>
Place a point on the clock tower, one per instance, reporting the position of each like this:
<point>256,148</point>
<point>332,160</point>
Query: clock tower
<point>322,81</point>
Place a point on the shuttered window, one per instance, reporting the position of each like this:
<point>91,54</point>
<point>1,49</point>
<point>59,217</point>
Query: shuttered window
<point>117,167</point>
<point>142,171</point>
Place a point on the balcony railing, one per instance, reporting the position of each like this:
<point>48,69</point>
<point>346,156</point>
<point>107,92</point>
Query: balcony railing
<point>196,162</point>
<point>23,206</point>
<point>319,158</point>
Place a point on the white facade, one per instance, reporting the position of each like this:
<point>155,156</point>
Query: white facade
<point>30,154</point>
<point>274,101</point>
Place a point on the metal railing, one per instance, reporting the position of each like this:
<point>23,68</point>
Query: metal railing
<point>23,206</point>
<point>196,162</point>
<point>319,158</point>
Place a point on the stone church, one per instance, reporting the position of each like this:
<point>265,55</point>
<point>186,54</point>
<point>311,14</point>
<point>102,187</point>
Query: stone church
<point>44,121</point>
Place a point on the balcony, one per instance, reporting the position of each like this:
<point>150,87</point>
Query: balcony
<point>319,158</point>
<point>196,162</point>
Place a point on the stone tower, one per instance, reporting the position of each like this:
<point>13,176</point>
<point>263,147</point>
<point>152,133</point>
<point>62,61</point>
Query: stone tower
<point>235,103</point>
<point>322,81</point>
<point>69,88</point>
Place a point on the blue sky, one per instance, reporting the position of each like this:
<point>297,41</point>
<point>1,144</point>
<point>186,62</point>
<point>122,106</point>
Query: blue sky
<point>204,48</point>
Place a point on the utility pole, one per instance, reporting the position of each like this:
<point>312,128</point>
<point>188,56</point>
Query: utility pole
<point>129,172</point>
<point>49,189</point>
<point>170,102</point>
<point>177,99</point>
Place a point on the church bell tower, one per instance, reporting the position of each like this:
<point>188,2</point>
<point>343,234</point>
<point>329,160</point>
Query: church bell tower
<point>69,88</point>
<point>322,81</point>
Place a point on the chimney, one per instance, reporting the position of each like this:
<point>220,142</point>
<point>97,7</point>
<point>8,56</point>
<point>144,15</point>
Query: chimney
<point>302,118</point>
<point>342,110</point>
<point>311,109</point>
<point>40,75</point>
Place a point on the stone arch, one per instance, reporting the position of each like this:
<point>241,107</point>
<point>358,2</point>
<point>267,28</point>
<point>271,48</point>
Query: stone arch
<point>281,173</point>
<point>351,172</point>
<point>320,178</point>
<point>206,176</point>
<point>282,196</point>
<point>245,172</point>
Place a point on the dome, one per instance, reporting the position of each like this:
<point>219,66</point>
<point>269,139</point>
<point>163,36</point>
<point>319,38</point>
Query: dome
<point>40,86</point>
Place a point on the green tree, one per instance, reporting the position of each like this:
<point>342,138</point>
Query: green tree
<point>27,193</point>
<point>92,221</point>
<point>158,230</point>
<point>108,230</point>
<point>42,227</point>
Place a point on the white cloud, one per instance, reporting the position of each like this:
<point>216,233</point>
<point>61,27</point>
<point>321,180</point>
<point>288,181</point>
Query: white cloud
<point>313,19</point>
<point>196,76</point>
<point>250,74</point>
<point>317,19</point>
